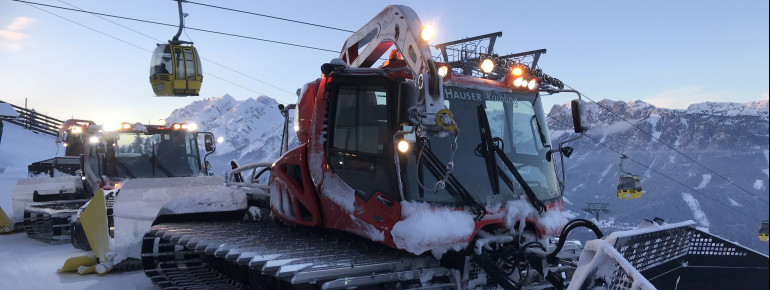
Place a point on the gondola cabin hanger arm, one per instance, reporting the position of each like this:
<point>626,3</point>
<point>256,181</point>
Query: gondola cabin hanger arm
<point>175,68</point>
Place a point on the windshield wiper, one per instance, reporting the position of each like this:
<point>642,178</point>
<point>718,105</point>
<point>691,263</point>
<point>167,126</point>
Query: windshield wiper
<point>454,187</point>
<point>486,149</point>
<point>492,149</point>
<point>539,130</point>
<point>155,163</point>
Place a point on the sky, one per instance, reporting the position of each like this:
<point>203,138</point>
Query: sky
<point>668,53</point>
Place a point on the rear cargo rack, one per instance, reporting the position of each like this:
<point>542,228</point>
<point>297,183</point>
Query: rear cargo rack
<point>669,256</point>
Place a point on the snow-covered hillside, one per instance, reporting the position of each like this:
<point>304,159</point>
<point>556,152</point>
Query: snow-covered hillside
<point>251,128</point>
<point>729,138</point>
<point>18,148</point>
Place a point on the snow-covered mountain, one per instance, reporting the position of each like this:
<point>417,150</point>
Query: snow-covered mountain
<point>251,128</point>
<point>730,139</point>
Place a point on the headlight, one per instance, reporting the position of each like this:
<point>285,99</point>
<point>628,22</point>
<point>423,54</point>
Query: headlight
<point>517,82</point>
<point>403,146</point>
<point>532,85</point>
<point>442,71</point>
<point>427,33</point>
<point>109,127</point>
<point>487,65</point>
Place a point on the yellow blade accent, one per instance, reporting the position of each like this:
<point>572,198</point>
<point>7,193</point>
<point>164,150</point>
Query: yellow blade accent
<point>82,270</point>
<point>72,264</point>
<point>5,222</point>
<point>94,221</point>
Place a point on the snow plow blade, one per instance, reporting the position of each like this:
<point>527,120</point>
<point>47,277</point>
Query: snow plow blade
<point>5,223</point>
<point>94,221</point>
<point>72,264</point>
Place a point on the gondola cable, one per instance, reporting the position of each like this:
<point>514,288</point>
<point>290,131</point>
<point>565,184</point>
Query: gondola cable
<point>173,25</point>
<point>661,173</point>
<point>134,45</point>
<point>674,149</point>
<point>273,17</point>
<point>32,4</point>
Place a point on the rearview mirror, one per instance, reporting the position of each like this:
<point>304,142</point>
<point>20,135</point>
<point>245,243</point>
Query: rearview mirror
<point>208,142</point>
<point>579,115</point>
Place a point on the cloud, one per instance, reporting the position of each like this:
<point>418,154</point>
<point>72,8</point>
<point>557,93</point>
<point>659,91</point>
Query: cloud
<point>680,98</point>
<point>12,36</point>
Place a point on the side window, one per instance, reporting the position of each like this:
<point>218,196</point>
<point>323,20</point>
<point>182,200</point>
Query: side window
<point>359,140</point>
<point>179,60</point>
<point>361,121</point>
<point>189,62</point>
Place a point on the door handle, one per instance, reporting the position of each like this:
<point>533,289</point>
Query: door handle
<point>384,201</point>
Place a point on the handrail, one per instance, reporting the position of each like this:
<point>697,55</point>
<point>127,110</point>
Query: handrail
<point>32,120</point>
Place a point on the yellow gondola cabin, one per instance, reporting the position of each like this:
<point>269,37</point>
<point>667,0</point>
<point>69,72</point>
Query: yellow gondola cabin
<point>629,187</point>
<point>175,70</point>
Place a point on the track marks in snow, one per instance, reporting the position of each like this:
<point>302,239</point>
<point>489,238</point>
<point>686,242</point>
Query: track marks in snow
<point>697,213</point>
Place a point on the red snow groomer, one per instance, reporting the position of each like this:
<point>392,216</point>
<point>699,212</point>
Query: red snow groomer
<point>441,169</point>
<point>416,154</point>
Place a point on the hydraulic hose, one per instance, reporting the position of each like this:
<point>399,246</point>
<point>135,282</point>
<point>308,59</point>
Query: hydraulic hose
<point>571,225</point>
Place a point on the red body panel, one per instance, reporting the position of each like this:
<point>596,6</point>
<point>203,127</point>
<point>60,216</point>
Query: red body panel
<point>305,106</point>
<point>292,194</point>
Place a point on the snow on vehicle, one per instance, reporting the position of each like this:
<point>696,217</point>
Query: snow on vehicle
<point>140,167</point>
<point>414,175</point>
<point>55,188</point>
<point>658,255</point>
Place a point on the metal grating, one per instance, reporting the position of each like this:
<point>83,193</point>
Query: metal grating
<point>620,279</point>
<point>702,244</point>
<point>648,250</point>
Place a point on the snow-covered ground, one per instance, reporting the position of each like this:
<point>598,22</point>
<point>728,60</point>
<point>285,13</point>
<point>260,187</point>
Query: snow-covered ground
<point>31,264</point>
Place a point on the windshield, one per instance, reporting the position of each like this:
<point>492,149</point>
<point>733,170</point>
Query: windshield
<point>518,128</point>
<point>147,155</point>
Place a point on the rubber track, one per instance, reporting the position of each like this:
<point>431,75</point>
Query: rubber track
<point>266,255</point>
<point>50,221</point>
